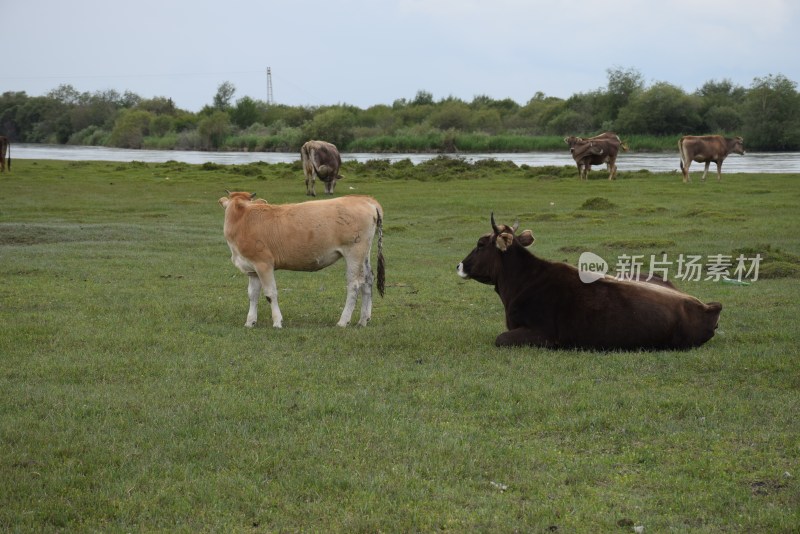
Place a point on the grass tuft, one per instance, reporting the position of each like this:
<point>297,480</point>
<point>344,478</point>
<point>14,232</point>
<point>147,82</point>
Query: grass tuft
<point>598,203</point>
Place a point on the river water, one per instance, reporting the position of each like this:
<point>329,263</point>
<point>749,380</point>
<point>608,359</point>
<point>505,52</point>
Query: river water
<point>755,162</point>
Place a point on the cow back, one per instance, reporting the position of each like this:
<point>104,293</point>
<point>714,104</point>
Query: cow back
<point>321,157</point>
<point>306,236</point>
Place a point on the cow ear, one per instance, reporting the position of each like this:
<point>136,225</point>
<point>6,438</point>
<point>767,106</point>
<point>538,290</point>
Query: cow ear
<point>526,238</point>
<point>504,241</point>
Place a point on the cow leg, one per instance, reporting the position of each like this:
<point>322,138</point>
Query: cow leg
<point>355,281</point>
<point>612,171</point>
<point>366,295</point>
<point>329,187</point>
<point>520,337</point>
<point>719,171</point>
<point>267,279</point>
<point>708,163</point>
<point>310,186</point>
<point>685,171</point>
<point>254,293</point>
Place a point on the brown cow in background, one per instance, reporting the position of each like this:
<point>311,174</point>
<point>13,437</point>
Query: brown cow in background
<point>595,150</point>
<point>320,160</point>
<point>705,149</point>
<point>586,153</point>
<point>5,146</point>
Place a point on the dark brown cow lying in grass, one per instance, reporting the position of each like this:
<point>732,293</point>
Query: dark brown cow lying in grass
<point>547,304</point>
<point>705,149</point>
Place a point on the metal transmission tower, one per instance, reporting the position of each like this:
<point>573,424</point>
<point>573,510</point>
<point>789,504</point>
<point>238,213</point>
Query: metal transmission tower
<point>270,99</point>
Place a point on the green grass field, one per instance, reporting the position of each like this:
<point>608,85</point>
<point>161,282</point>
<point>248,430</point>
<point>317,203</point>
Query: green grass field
<point>132,398</point>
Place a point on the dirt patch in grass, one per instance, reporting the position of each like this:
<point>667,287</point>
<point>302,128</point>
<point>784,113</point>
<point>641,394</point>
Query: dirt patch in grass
<point>41,234</point>
<point>766,487</point>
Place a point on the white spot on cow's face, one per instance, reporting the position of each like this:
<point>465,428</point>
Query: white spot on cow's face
<point>460,271</point>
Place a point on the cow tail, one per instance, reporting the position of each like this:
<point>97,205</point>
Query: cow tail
<point>312,157</point>
<point>381,261</point>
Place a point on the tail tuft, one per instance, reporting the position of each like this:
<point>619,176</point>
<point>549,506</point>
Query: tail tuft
<point>381,261</point>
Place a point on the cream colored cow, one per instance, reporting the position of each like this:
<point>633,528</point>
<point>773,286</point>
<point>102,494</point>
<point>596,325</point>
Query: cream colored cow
<point>308,236</point>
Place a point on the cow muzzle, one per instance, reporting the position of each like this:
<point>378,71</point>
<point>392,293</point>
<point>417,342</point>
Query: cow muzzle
<point>461,272</point>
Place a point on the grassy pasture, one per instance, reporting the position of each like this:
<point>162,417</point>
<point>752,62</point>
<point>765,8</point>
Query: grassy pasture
<point>132,398</point>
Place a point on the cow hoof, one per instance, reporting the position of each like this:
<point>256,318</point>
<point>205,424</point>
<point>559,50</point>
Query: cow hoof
<point>277,325</point>
<point>250,324</point>
<point>341,324</point>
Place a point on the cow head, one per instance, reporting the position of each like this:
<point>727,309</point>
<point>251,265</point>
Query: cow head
<point>737,145</point>
<point>483,264</point>
<point>236,195</point>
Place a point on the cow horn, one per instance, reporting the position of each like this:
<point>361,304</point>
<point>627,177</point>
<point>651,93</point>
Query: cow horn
<point>227,192</point>
<point>494,225</point>
<point>252,196</point>
<point>515,227</point>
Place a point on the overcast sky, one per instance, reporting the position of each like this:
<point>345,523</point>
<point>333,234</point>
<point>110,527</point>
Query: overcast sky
<point>368,52</point>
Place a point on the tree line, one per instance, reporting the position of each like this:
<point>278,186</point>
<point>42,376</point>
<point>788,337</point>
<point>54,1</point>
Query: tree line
<point>766,114</point>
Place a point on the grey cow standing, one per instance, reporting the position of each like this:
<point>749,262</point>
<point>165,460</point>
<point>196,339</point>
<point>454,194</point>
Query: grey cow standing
<point>320,160</point>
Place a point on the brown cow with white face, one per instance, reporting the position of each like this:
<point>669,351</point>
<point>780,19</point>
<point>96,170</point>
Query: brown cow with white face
<point>320,160</point>
<point>308,236</point>
<point>547,304</point>
<point>705,149</point>
<point>5,147</point>
<point>596,150</point>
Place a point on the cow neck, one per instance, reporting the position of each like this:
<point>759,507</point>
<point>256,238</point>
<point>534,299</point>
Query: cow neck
<point>518,265</point>
<point>235,212</point>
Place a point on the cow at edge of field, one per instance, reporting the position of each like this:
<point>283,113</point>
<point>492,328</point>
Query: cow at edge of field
<point>307,236</point>
<point>5,147</point>
<point>588,151</point>
<point>320,160</point>
<point>585,154</point>
<point>705,149</point>
<point>548,305</point>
